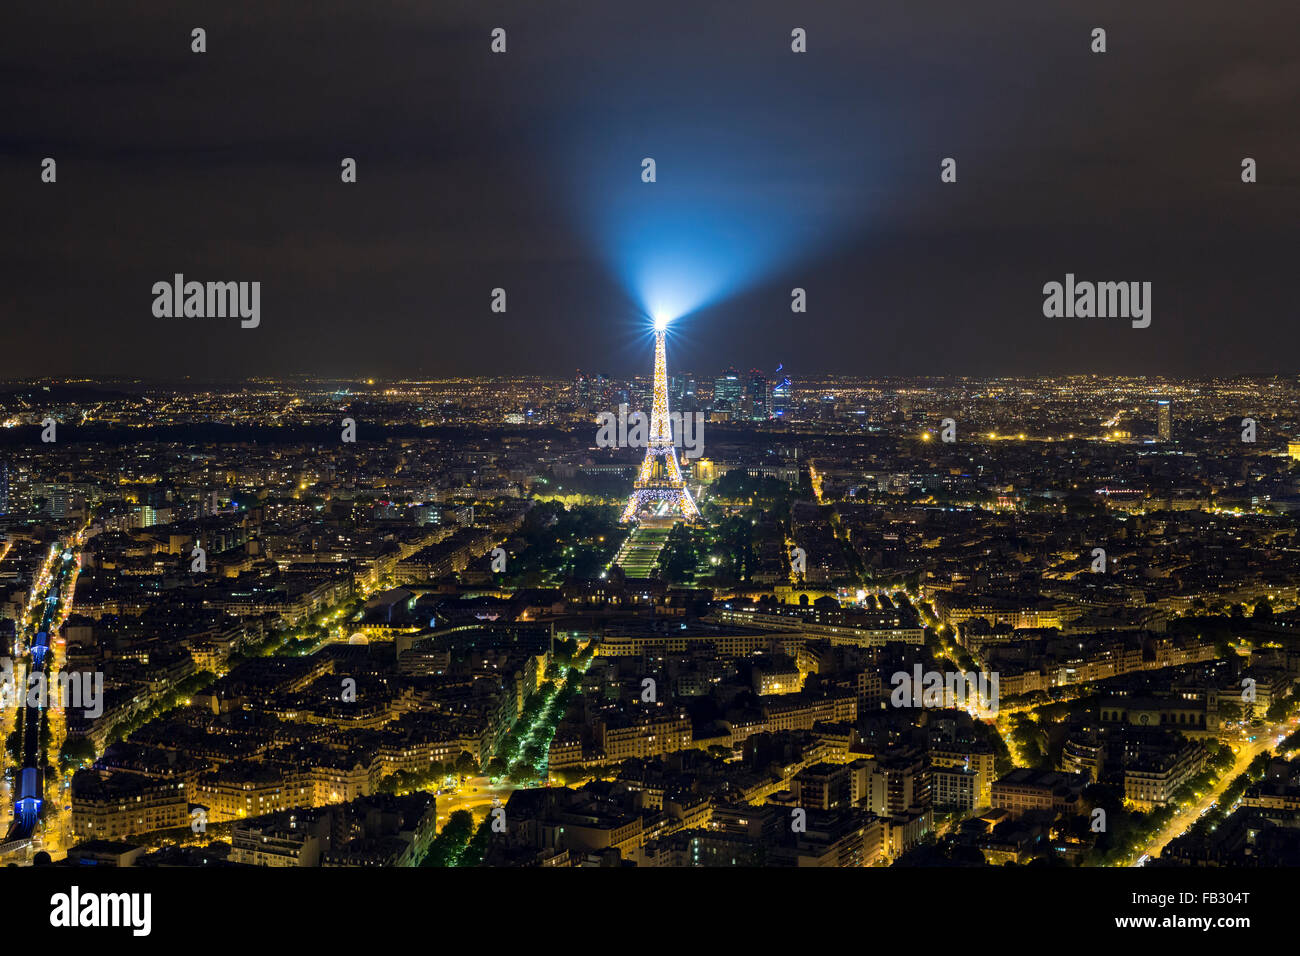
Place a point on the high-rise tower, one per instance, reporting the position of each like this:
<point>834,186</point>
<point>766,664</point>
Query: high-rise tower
<point>781,398</point>
<point>660,478</point>
<point>1164,420</point>
<point>759,397</point>
<point>727,392</point>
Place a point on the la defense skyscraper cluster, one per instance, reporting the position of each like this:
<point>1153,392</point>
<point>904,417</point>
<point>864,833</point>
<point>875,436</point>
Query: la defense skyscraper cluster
<point>659,481</point>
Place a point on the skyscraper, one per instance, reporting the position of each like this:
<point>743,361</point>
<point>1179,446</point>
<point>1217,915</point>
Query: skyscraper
<point>4,487</point>
<point>728,389</point>
<point>781,398</point>
<point>1164,419</point>
<point>759,399</point>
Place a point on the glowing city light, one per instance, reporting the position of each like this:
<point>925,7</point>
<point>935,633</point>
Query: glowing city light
<point>659,486</point>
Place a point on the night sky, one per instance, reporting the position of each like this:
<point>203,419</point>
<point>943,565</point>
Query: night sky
<point>523,171</point>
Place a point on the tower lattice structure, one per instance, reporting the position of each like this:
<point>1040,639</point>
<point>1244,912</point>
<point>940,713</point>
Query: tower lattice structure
<point>660,478</point>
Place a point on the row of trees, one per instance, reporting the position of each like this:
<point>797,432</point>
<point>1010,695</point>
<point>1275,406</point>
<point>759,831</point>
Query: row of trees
<point>679,558</point>
<point>405,781</point>
<point>1128,832</point>
<point>164,705</point>
<point>558,543</point>
<point>449,844</point>
<point>739,487</point>
<point>1262,611</point>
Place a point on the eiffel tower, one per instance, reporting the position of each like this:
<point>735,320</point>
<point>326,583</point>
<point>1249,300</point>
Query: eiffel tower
<point>660,478</point>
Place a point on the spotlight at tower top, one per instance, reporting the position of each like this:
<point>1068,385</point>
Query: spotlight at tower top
<point>661,323</point>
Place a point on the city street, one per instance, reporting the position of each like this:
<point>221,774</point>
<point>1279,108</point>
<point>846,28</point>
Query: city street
<point>1266,739</point>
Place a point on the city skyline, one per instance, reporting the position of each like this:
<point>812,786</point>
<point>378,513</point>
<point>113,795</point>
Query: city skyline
<point>571,435</point>
<point>1059,546</point>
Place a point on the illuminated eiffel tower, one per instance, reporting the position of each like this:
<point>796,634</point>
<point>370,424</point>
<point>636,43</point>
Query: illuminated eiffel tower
<point>660,480</point>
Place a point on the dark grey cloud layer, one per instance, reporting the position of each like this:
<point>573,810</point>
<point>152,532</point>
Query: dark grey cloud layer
<point>226,166</point>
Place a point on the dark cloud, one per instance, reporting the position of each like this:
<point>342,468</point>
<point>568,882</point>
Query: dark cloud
<point>479,171</point>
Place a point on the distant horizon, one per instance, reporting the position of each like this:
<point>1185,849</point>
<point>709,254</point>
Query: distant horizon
<point>374,381</point>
